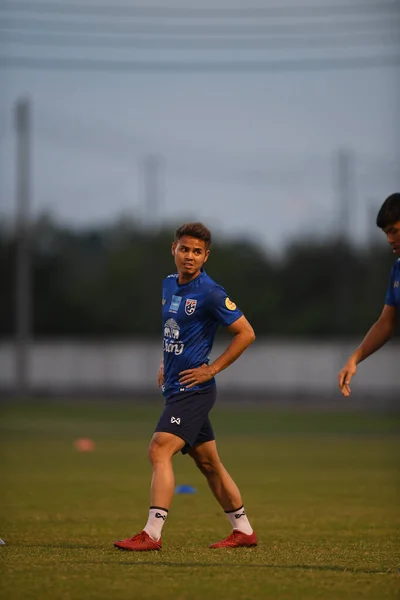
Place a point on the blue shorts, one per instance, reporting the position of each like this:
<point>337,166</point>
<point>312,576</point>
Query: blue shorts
<point>186,416</point>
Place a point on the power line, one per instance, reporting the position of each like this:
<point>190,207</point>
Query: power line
<point>249,66</point>
<point>210,29</point>
<point>302,11</point>
<point>95,136</point>
<point>80,40</point>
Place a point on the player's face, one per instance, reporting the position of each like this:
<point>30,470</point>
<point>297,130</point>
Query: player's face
<point>393,237</point>
<point>190,255</point>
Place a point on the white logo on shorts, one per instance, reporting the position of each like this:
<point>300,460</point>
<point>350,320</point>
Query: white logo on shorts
<point>176,420</point>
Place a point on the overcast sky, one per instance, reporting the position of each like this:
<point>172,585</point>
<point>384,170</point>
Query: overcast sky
<point>247,152</point>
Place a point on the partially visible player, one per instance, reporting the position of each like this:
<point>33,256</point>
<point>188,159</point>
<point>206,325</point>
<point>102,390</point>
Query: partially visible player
<point>388,220</point>
<point>193,307</point>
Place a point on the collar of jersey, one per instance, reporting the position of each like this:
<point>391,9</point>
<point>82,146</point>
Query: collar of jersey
<point>181,285</point>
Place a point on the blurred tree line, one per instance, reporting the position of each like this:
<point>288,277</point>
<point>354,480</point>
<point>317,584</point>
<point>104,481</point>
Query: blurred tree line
<point>106,282</point>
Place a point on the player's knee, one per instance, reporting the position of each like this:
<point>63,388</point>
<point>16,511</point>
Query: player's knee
<point>158,452</point>
<point>208,467</point>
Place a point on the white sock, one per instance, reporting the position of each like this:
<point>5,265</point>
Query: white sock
<point>155,522</point>
<point>239,520</point>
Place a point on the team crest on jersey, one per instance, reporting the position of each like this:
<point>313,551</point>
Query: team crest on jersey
<point>396,284</point>
<point>229,304</point>
<point>190,306</point>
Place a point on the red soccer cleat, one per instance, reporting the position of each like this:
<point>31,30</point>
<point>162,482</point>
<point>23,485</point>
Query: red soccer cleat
<point>237,539</point>
<point>141,542</point>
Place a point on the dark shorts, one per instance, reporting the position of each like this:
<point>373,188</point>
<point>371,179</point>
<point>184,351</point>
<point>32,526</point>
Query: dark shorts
<point>186,415</point>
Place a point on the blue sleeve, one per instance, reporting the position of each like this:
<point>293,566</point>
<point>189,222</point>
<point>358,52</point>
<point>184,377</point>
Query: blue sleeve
<point>390,297</point>
<point>224,311</point>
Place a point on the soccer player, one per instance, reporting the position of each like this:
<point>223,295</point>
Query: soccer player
<point>388,220</point>
<point>193,306</point>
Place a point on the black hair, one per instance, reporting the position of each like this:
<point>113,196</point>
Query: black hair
<point>389,212</point>
<point>196,230</point>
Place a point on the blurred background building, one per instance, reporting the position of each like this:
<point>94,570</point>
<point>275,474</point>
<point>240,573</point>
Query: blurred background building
<point>275,123</point>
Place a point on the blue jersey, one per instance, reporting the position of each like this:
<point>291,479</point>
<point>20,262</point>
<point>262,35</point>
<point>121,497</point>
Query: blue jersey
<point>191,314</point>
<point>393,292</point>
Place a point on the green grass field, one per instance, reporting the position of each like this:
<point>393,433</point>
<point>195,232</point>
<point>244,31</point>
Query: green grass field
<point>322,492</point>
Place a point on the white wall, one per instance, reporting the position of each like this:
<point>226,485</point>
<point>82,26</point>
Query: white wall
<point>286,367</point>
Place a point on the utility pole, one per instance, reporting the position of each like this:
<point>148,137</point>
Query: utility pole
<point>374,236</point>
<point>345,188</point>
<point>151,216</point>
<point>345,191</point>
<point>23,260</point>
<point>152,195</point>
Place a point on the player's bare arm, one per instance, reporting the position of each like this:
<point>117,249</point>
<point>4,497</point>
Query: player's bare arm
<point>243,336</point>
<point>160,374</point>
<point>380,332</point>
<point>388,220</point>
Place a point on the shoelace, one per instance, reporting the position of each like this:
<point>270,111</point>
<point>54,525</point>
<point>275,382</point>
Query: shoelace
<point>231,536</point>
<point>140,537</point>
